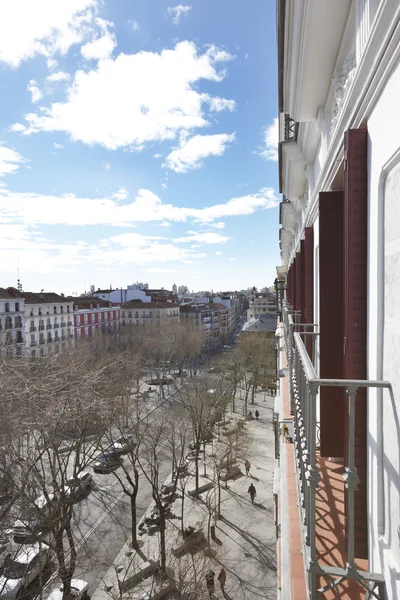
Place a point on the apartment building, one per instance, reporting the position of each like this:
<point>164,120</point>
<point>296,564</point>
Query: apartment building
<point>93,316</point>
<point>223,321</point>
<point>204,318</point>
<point>12,322</point>
<point>139,313</point>
<point>338,488</point>
<point>260,306</point>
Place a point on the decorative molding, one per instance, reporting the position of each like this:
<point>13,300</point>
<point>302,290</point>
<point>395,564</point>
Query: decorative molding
<point>342,81</point>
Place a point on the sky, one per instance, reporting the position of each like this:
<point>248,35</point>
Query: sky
<point>138,142</point>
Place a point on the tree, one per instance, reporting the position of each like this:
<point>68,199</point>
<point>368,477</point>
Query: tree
<point>258,352</point>
<point>183,290</point>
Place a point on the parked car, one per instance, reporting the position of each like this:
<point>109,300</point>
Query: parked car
<point>77,486</point>
<point>107,461</point>
<point>123,444</point>
<point>22,569</point>
<point>33,520</point>
<point>79,591</point>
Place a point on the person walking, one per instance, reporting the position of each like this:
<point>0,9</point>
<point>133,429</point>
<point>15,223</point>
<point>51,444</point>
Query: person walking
<point>247,466</point>
<point>222,579</point>
<point>257,414</point>
<point>210,583</point>
<point>253,493</point>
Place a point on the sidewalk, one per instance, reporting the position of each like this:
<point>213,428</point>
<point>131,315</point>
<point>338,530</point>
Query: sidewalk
<point>245,542</point>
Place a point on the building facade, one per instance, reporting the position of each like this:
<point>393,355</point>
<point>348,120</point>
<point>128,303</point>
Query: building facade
<point>93,316</point>
<point>12,322</point>
<point>139,313</point>
<point>203,318</point>
<point>339,167</point>
<point>261,306</point>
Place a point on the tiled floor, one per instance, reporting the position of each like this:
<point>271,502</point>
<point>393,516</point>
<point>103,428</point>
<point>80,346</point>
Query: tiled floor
<point>330,527</point>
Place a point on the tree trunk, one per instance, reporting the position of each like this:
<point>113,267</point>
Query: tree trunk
<point>163,555</point>
<point>253,392</point>
<point>133,521</point>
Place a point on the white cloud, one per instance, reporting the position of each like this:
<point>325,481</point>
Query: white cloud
<point>218,253</point>
<point>57,76</point>
<point>52,63</point>
<point>190,154</point>
<point>219,104</point>
<point>121,194</point>
<point>56,145</point>
<point>10,161</point>
<point>99,49</point>
<point>178,11</point>
<point>135,25</point>
<point>38,209</point>
<point>157,155</point>
<point>233,259</point>
<point>218,225</point>
<point>134,99</point>
<point>33,88</point>
<point>269,151</point>
<point>107,166</point>
<point>17,127</point>
<point>203,238</point>
<point>42,27</point>
<point>165,224</point>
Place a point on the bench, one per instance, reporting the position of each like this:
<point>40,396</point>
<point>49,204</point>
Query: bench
<point>202,488</point>
<point>195,539</point>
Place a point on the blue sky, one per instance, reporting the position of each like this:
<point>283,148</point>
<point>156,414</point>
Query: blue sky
<point>138,141</point>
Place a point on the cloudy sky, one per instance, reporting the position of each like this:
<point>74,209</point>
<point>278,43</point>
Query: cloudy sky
<point>138,141</point>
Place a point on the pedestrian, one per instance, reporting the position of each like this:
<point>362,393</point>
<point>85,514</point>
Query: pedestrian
<point>222,579</point>
<point>210,583</point>
<point>285,432</point>
<point>257,414</point>
<point>247,466</point>
<point>252,492</point>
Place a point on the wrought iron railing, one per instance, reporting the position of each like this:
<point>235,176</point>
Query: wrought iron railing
<point>304,390</point>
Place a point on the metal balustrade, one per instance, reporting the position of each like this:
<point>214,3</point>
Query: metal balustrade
<point>304,386</point>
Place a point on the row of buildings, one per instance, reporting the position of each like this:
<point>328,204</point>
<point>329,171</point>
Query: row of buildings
<point>337,488</point>
<point>36,323</point>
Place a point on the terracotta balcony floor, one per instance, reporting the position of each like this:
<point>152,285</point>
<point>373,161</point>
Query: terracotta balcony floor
<point>330,528</point>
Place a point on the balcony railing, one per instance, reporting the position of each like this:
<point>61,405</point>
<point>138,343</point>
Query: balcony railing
<point>56,325</point>
<point>49,326</point>
<point>304,386</point>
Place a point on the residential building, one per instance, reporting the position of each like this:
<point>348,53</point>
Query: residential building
<point>261,305</point>
<point>265,324</point>
<point>223,321</point>
<point>236,304</point>
<point>338,497</point>
<point>139,313</point>
<point>12,322</point>
<point>93,316</point>
<point>136,291</point>
<point>204,319</point>
<point>48,324</point>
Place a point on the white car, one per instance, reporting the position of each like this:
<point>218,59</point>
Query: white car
<point>34,519</point>
<point>79,589</point>
<point>78,486</point>
<point>21,569</point>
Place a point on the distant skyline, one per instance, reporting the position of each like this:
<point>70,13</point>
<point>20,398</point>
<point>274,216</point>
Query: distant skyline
<point>138,142</point>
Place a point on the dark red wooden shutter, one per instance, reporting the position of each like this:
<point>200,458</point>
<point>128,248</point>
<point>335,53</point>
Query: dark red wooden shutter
<point>302,282</point>
<point>309,282</point>
<point>298,282</point>
<point>332,406</point>
<point>355,304</point>
<point>294,283</point>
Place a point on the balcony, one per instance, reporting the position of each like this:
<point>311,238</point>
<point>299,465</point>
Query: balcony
<point>49,340</point>
<point>69,323</point>
<point>63,324</point>
<point>33,344</point>
<point>32,329</point>
<point>41,327</point>
<point>49,326</point>
<point>56,325</point>
<point>42,341</point>
<point>326,489</point>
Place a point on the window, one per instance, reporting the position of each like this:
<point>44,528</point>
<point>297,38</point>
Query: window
<point>48,310</point>
<point>136,314</point>
<point>85,318</point>
<point>123,314</point>
<point>67,309</point>
<point>7,307</point>
<point>17,307</point>
<point>86,331</point>
<point>130,314</point>
<point>92,317</point>
<point>32,338</point>
<point>31,312</point>
<point>55,310</point>
<point>61,309</point>
<point>91,307</point>
<point>40,311</point>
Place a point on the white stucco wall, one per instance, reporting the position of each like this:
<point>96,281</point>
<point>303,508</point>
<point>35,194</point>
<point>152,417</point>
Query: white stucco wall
<point>384,335</point>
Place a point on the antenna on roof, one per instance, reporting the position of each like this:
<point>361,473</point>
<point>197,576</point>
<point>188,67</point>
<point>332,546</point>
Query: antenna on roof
<point>19,285</point>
